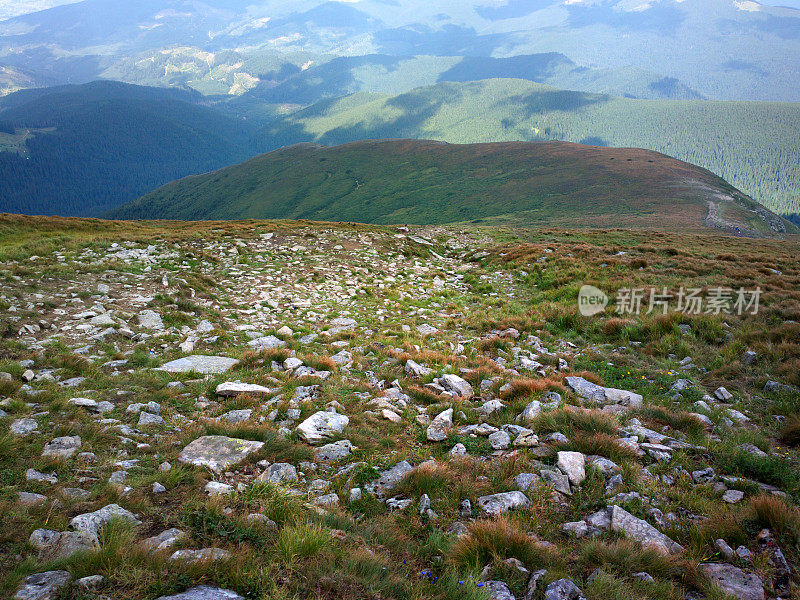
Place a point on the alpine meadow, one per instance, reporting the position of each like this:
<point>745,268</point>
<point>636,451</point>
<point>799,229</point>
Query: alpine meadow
<point>400,299</point>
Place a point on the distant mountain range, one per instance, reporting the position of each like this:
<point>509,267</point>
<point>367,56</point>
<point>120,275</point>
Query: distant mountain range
<point>83,150</point>
<point>721,49</point>
<point>423,182</point>
<point>220,81</point>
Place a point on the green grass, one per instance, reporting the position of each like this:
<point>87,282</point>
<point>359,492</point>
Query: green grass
<point>432,183</point>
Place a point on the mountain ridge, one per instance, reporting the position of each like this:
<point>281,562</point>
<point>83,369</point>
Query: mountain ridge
<point>432,182</point>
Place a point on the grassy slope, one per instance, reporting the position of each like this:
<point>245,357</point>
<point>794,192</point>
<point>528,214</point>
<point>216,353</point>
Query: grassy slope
<point>383,554</point>
<point>755,146</point>
<point>405,181</point>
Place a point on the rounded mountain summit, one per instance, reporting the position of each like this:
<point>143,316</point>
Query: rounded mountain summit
<point>429,183</point>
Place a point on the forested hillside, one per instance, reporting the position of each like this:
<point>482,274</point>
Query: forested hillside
<point>81,150</point>
<point>754,146</point>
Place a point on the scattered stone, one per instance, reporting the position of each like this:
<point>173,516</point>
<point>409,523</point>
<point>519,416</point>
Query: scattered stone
<point>530,412</point>
<point>499,440</point>
<point>29,498</point>
<point>234,388</point>
<point>203,555</point>
<point>146,418</point>
<point>592,391</point>
<point>34,475</point>
<point>217,488</point>
<point>388,479</point>
<point>722,394</point>
<point>456,386</point>
<point>279,473</point>
<point>416,370</point>
<point>54,545</point>
<point>563,589</point>
<point>733,496</point>
<point>91,583</point>
<point>335,451</point>
<point>23,427</point>
<point>149,319</point>
<point>164,540</point>
<point>557,480</point>
<point>204,592</point>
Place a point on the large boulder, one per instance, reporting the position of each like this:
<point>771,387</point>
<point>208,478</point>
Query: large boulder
<point>234,388</point>
<point>641,531</point>
<point>732,580</point>
<point>94,522</point>
<point>499,503</point>
<point>43,586</point>
<point>204,592</point>
<point>574,466</point>
<point>321,425</point>
<point>456,386</point>
<point>53,545</point>
<point>62,447</point>
<point>206,365</point>
<point>218,452</point>
<point>438,429</point>
<point>592,391</point>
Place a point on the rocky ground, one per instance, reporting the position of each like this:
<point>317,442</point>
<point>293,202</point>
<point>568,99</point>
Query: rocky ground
<point>298,410</point>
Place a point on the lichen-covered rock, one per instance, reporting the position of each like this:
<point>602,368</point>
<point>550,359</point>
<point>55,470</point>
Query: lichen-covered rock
<point>217,452</point>
<point>43,586</point>
<point>198,363</point>
<point>732,580</point>
<point>641,531</point>
<point>321,425</point>
<point>94,522</point>
<point>496,504</point>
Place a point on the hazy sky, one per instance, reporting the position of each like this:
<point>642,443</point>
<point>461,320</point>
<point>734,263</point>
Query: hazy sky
<point>792,3</point>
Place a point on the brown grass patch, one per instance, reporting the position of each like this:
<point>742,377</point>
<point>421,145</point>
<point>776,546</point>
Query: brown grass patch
<point>522,388</point>
<point>496,540</point>
<point>776,514</point>
<point>790,434</point>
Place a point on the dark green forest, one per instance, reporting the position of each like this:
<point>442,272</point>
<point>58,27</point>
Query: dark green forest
<point>90,151</point>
